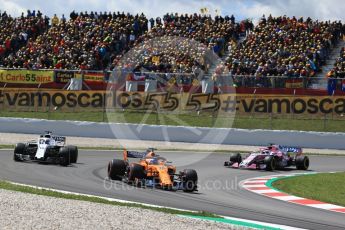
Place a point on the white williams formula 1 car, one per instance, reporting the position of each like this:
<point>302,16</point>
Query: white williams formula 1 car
<point>47,149</point>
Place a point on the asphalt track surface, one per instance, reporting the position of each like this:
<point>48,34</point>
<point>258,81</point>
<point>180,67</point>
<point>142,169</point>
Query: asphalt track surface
<point>218,187</point>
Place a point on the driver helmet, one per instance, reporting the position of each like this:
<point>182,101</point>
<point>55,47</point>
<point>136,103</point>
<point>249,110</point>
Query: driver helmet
<point>150,154</point>
<point>266,152</point>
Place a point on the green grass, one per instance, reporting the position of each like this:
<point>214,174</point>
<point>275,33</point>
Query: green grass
<point>326,187</point>
<point>45,192</point>
<point>326,124</point>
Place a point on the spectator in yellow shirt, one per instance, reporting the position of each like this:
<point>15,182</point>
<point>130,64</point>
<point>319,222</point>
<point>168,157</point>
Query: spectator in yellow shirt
<point>55,20</point>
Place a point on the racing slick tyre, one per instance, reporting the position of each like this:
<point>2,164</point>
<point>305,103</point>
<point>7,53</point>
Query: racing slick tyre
<point>270,163</point>
<point>116,169</point>
<point>18,149</point>
<point>190,180</point>
<point>65,156</point>
<point>136,173</point>
<point>73,150</point>
<point>302,162</point>
<point>236,158</point>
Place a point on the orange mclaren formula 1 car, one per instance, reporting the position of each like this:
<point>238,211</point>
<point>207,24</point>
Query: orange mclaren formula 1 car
<point>151,171</point>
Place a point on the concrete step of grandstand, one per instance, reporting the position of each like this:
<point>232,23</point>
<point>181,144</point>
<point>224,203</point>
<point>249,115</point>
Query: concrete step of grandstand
<point>242,39</point>
<point>322,82</point>
<point>223,58</point>
<point>217,62</point>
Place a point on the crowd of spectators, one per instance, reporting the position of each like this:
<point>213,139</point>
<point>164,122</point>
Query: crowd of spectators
<point>214,33</point>
<point>283,46</point>
<point>15,33</point>
<point>184,41</point>
<point>97,41</point>
<point>175,43</point>
<point>85,41</point>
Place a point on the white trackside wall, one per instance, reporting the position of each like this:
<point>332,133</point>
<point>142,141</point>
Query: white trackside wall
<point>321,140</point>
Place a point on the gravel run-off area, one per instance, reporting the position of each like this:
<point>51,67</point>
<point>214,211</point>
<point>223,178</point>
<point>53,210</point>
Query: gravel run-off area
<point>28,211</point>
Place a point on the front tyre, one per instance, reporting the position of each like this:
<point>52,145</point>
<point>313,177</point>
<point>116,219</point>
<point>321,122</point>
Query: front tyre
<point>270,163</point>
<point>136,173</point>
<point>18,149</point>
<point>236,158</point>
<point>189,180</point>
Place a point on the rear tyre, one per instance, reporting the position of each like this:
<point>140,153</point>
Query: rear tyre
<point>18,149</point>
<point>65,156</point>
<point>302,162</point>
<point>73,150</point>
<point>116,169</point>
<point>236,158</point>
<point>136,172</point>
<point>190,180</point>
<point>270,163</point>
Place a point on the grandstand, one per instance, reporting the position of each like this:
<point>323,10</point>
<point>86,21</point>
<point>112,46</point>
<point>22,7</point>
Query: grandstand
<point>281,73</point>
<point>267,55</point>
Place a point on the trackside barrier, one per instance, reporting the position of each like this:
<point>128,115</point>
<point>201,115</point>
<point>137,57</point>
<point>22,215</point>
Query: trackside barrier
<point>223,104</point>
<point>321,140</point>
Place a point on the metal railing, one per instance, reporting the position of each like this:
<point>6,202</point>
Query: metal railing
<point>220,80</point>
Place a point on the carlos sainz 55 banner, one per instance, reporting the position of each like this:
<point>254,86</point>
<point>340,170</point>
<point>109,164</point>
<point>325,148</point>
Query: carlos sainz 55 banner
<point>26,76</point>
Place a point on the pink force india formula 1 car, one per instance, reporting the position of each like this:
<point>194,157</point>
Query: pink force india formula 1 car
<point>270,158</point>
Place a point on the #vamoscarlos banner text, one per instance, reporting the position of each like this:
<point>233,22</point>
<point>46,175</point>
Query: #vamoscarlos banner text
<point>17,99</point>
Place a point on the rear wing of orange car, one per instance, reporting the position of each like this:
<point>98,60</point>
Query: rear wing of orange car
<point>132,154</point>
